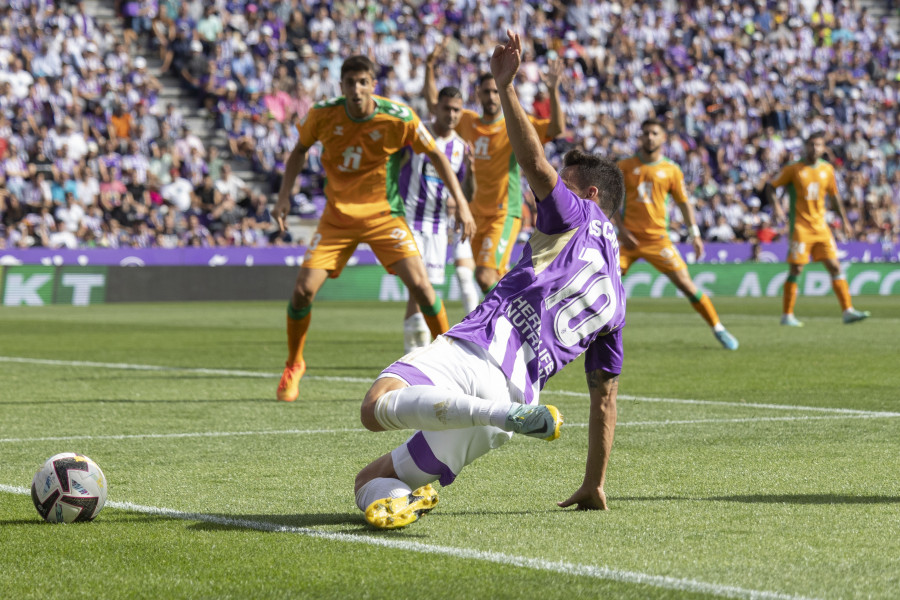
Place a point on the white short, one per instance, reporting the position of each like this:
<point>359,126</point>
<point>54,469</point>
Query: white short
<point>461,250</point>
<point>433,248</point>
<point>463,367</point>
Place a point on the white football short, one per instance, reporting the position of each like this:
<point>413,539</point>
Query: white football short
<point>461,250</point>
<point>463,367</point>
<point>433,248</point>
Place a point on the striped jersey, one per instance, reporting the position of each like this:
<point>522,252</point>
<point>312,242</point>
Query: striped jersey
<point>807,187</point>
<point>497,179</point>
<point>361,157</point>
<point>563,298</point>
<point>648,189</point>
<point>423,192</point>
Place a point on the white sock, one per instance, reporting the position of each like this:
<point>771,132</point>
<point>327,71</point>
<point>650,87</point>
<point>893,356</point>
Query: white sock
<point>467,289</point>
<point>433,409</point>
<point>378,488</point>
<point>415,332</point>
<point>718,327</point>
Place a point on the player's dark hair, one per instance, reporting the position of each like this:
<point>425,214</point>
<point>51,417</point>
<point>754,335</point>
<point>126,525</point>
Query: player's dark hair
<point>358,63</point>
<point>652,121</point>
<point>482,78</point>
<point>600,172</point>
<point>449,92</point>
<point>815,135</point>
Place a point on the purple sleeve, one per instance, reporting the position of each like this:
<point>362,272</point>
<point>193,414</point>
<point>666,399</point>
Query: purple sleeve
<point>605,353</point>
<point>561,211</point>
<point>461,174</point>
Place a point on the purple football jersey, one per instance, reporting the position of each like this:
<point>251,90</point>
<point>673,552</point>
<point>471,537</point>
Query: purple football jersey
<point>563,298</point>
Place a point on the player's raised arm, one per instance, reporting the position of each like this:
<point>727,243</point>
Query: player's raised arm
<point>429,89</point>
<point>523,138</point>
<point>603,388</point>
<point>555,71</point>
<point>457,202</point>
<point>292,169</point>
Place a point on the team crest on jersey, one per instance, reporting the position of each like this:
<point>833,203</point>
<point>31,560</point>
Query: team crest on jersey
<point>637,171</point>
<point>661,174</point>
<point>375,135</point>
<point>339,130</point>
<point>823,175</point>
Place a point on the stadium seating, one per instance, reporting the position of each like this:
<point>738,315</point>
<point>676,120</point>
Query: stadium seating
<point>110,123</point>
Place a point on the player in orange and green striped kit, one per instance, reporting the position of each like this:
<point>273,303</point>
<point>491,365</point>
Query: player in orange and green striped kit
<point>650,180</point>
<point>497,204</point>
<point>808,182</point>
<point>362,136</point>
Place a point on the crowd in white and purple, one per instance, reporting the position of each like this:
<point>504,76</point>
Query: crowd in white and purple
<point>89,156</point>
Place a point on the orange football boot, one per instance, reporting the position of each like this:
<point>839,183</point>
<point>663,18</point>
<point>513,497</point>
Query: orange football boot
<point>289,386</point>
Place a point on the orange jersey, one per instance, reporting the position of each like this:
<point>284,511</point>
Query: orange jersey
<point>648,187</point>
<point>497,180</point>
<point>807,187</point>
<point>361,158</point>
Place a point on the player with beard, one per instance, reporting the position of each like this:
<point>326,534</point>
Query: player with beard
<point>497,203</point>
<point>362,136</point>
<point>651,180</point>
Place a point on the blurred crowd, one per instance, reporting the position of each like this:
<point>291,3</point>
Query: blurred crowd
<point>90,157</point>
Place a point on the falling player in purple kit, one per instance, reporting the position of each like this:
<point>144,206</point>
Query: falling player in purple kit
<point>479,383</point>
<point>426,198</point>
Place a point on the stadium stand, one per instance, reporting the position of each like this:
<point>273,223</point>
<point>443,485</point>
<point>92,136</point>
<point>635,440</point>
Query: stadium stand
<point>166,123</point>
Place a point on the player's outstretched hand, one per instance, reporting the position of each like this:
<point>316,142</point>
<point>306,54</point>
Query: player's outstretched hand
<point>555,73</point>
<point>281,211</point>
<point>437,51</point>
<point>506,59</point>
<point>586,498</point>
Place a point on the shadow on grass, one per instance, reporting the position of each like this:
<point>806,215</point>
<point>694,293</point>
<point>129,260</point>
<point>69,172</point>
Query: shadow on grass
<point>271,523</point>
<point>773,499</point>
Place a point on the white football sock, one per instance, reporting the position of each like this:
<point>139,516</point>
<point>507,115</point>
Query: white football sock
<point>433,409</point>
<point>467,290</point>
<point>415,332</point>
<point>378,488</point>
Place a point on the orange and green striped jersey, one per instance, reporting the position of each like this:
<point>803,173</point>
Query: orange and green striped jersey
<point>648,188</point>
<point>498,184</point>
<point>807,186</point>
<point>362,157</point>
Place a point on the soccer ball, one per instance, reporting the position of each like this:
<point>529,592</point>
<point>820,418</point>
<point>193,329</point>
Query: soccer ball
<point>69,487</point>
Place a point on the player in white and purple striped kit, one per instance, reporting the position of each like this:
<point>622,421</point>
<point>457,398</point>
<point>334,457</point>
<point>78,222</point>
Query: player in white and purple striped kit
<point>425,197</point>
<point>480,382</point>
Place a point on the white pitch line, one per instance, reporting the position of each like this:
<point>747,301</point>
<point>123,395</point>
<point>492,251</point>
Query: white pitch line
<point>797,407</point>
<point>258,374</point>
<point>537,564</point>
<point>190,434</point>
<point>201,434</point>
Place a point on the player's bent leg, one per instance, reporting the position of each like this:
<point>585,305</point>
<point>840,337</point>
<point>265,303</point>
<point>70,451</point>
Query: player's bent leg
<point>382,386</point>
<point>388,502</point>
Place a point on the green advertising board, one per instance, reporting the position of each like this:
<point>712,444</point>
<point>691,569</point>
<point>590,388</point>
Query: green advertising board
<point>754,280</point>
<point>38,285</point>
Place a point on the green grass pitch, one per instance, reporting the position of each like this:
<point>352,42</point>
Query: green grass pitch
<point>770,472</point>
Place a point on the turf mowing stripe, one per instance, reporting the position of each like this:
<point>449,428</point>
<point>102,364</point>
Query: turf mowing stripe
<point>199,434</point>
<point>237,373</point>
<point>561,567</point>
